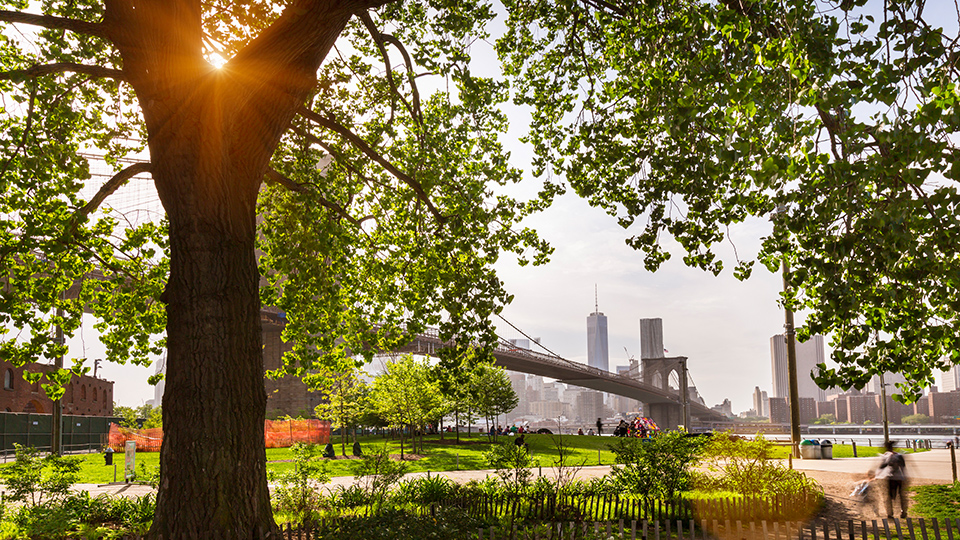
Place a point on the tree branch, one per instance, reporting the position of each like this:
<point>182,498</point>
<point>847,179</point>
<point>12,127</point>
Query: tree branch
<point>380,39</point>
<point>109,188</point>
<point>418,113</point>
<point>49,69</point>
<point>55,23</point>
<point>276,177</point>
<point>360,144</point>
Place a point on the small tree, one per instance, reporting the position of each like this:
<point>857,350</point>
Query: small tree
<point>826,419</point>
<point>493,393</point>
<point>344,395</point>
<point>404,395</point>
<point>375,473</point>
<point>916,419</point>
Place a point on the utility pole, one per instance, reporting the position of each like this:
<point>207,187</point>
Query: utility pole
<point>56,432</point>
<point>790,335</point>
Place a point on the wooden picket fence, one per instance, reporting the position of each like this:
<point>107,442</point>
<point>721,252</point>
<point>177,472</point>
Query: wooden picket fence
<point>896,529</point>
<point>613,507</point>
<point>691,529</point>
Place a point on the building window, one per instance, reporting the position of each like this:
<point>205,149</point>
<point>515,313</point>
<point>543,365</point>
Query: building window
<point>95,394</point>
<point>8,379</point>
<point>83,393</point>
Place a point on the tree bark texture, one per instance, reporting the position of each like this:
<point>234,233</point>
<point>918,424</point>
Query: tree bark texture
<point>211,134</point>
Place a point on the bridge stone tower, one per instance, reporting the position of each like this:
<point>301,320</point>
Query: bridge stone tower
<point>657,371</point>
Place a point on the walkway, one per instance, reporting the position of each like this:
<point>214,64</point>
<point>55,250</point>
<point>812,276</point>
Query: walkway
<point>924,467</point>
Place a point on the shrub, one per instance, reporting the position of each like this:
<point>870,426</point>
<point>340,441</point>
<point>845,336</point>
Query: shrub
<point>376,472</point>
<point>655,466</point>
<point>744,466</point>
<point>512,463</point>
<point>33,480</point>
<point>293,493</point>
<point>349,497</point>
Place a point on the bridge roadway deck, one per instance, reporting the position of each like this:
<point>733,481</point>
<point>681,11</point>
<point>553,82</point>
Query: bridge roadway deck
<point>527,361</point>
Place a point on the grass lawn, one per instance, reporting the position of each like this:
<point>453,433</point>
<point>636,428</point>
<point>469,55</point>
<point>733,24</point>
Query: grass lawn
<point>843,451</point>
<point>438,457</point>
<point>937,501</point>
<point>443,456</point>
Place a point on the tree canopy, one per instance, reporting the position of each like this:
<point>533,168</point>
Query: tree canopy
<point>684,117</point>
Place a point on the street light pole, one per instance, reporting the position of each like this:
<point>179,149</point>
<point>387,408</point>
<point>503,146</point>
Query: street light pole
<point>790,336</point>
<point>886,421</point>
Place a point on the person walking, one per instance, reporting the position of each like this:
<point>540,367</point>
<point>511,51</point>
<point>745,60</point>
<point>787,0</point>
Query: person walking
<point>599,426</point>
<point>892,470</point>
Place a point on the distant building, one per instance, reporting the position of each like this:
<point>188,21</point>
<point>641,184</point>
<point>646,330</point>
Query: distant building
<point>779,411</point>
<point>760,406</point>
<point>598,352</point>
<point>950,379</point>
<point>590,406</point>
<point>809,354</point>
<point>890,379</point>
<point>725,408</point>
<point>83,396</point>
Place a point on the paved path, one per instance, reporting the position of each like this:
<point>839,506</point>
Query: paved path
<point>931,467</point>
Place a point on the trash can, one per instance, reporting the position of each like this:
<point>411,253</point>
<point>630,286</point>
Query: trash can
<point>809,449</point>
<point>826,449</point>
<point>108,456</point>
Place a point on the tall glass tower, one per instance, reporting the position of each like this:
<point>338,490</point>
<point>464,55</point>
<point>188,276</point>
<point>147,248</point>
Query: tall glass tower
<point>598,351</point>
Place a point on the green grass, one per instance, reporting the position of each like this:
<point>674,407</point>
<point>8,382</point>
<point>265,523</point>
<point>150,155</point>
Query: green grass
<point>438,457</point>
<point>843,451</point>
<point>443,457</point>
<point>937,501</point>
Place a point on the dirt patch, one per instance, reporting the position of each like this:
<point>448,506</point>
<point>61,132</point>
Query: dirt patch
<point>841,507</point>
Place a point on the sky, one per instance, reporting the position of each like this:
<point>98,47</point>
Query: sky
<point>721,324</point>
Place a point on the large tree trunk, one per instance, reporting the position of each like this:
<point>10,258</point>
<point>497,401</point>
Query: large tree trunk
<point>211,135</point>
<point>213,462</point>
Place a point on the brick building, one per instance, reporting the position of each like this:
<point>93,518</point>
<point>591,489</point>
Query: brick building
<point>84,396</point>
<point>779,411</point>
<point>288,395</point>
<point>942,407</point>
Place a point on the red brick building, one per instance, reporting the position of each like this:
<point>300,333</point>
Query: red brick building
<point>84,396</point>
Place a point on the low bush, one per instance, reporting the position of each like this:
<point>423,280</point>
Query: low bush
<point>744,466</point>
<point>656,466</point>
<point>295,493</point>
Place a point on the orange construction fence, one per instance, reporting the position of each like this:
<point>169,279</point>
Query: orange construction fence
<point>277,434</point>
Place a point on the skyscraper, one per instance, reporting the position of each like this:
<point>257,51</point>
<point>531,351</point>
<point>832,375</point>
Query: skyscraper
<point>760,402</point>
<point>809,354</point>
<point>598,351</point>
<point>950,379</point>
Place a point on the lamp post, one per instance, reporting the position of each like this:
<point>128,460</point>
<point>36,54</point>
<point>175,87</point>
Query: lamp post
<point>790,336</point>
<point>886,421</point>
